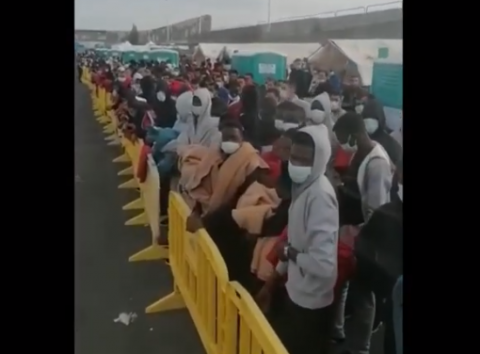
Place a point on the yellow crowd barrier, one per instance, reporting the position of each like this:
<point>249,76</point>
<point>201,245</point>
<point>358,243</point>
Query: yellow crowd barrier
<point>225,315</point>
<point>148,202</point>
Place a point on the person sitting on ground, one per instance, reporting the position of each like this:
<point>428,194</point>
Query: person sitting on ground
<point>214,183</point>
<point>309,257</point>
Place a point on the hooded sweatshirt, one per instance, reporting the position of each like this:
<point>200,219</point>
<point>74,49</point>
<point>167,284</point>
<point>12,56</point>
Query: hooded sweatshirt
<point>313,224</point>
<point>374,109</point>
<point>323,101</point>
<point>202,128</point>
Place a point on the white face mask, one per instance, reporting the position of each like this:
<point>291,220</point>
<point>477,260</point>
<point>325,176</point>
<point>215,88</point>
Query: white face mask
<point>229,147</point>
<point>371,125</point>
<point>317,117</point>
<point>400,191</point>
<point>335,105</point>
<point>299,174</point>
<point>122,79</point>
<point>161,96</point>
<point>287,126</point>
<point>359,108</point>
<point>279,124</point>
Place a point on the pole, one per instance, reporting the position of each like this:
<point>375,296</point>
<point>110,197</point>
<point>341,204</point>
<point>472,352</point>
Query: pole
<point>269,10</point>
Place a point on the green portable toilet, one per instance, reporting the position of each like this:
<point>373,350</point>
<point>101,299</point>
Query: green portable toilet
<point>101,52</point>
<point>165,55</point>
<point>128,55</point>
<point>146,55</point>
<point>115,53</point>
<point>387,87</point>
<point>261,65</point>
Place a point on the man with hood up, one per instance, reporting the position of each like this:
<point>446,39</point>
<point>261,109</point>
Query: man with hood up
<point>376,126</point>
<point>164,106</point>
<point>321,111</point>
<point>309,257</point>
<point>202,128</point>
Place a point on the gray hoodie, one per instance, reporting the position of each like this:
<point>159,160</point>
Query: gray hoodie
<point>206,131</point>
<point>313,225</point>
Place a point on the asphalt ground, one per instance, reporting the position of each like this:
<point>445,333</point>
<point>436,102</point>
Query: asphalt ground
<point>105,283</point>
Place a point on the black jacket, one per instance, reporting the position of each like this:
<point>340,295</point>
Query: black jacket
<point>379,246</point>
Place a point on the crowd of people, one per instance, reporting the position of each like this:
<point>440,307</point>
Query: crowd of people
<point>302,197</point>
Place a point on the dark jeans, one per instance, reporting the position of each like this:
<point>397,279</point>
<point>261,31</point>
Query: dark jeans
<point>303,331</point>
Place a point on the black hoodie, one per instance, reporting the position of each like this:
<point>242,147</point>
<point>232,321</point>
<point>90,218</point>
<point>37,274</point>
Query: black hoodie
<point>165,111</point>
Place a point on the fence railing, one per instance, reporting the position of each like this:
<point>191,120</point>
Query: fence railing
<point>329,14</point>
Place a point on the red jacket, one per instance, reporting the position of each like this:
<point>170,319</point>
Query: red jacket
<point>234,110</point>
<point>345,259</point>
<point>142,167</point>
<point>275,164</point>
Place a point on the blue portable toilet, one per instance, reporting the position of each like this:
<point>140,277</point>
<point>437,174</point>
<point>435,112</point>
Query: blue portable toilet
<point>261,65</point>
<point>387,87</point>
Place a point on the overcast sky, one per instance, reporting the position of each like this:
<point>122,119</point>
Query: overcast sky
<point>149,14</point>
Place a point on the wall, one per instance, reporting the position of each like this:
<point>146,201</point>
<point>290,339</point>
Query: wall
<point>387,24</point>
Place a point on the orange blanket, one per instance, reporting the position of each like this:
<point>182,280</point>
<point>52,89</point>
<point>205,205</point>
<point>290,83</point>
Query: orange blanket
<point>253,207</point>
<point>209,181</point>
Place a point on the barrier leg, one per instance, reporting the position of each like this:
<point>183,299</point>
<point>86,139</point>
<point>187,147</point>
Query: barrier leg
<point>113,143</point>
<point>139,220</point>
<point>121,158</point>
<point>151,253</point>
<point>137,204</point>
<point>102,120</point>
<point>126,172</point>
<point>173,301</point>
<point>109,129</point>
<point>130,184</point>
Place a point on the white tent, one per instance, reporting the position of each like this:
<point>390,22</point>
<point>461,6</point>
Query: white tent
<point>291,50</point>
<point>354,56</point>
<point>205,51</point>
<point>122,46</point>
